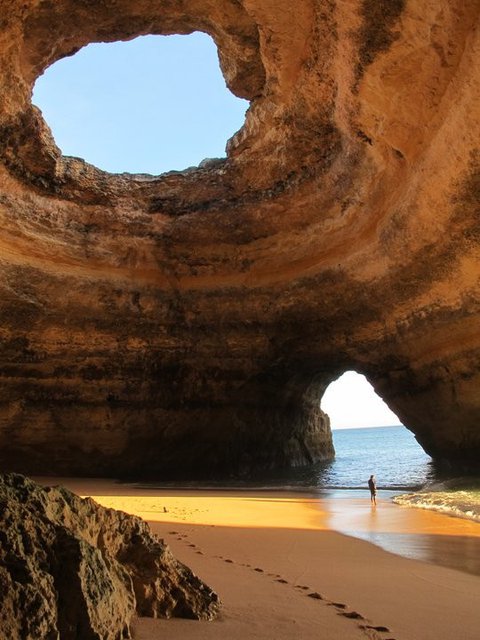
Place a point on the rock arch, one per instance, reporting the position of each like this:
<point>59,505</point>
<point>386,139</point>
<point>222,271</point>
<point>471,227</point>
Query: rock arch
<point>340,232</point>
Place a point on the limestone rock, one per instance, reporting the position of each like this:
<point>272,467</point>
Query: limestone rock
<point>208,310</point>
<point>72,569</point>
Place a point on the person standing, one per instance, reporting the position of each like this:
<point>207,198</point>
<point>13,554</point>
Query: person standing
<point>372,485</point>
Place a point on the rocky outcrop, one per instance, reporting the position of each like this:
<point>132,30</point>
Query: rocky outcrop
<point>208,310</point>
<point>72,569</point>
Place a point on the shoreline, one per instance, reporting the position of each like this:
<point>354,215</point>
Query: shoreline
<point>456,504</point>
<point>266,553</point>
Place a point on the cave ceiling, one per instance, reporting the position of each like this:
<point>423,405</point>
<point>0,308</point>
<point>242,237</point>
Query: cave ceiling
<point>192,320</point>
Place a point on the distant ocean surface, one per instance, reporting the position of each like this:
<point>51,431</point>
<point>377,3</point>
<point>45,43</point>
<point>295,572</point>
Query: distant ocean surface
<point>391,453</point>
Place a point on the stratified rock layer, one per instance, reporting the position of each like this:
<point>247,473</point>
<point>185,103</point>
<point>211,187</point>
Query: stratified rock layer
<point>72,569</point>
<point>189,323</point>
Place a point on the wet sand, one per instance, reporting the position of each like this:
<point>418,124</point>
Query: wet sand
<point>414,533</point>
<point>283,569</point>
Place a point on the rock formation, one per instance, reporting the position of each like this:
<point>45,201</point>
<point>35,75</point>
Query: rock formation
<point>189,323</point>
<point>72,569</point>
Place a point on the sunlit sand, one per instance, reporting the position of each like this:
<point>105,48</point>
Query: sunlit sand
<point>283,570</point>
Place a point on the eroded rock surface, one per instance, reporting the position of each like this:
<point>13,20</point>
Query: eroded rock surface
<point>72,569</point>
<point>189,323</point>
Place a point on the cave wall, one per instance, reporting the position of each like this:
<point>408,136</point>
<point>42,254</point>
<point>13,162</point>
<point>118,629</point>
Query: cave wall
<point>189,323</point>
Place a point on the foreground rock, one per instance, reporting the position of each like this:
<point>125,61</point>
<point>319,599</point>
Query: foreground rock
<point>73,570</point>
<point>208,310</point>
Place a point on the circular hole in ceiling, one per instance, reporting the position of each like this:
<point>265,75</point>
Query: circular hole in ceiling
<point>149,105</point>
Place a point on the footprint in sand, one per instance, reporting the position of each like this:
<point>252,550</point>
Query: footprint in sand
<point>315,595</point>
<point>200,553</point>
<point>354,615</point>
<point>380,628</point>
<point>258,569</point>
<point>302,586</point>
<point>282,580</point>
<point>339,605</point>
<point>229,561</point>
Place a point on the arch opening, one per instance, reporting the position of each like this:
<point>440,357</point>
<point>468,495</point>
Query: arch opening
<point>149,105</point>
<point>351,402</point>
<point>370,439</point>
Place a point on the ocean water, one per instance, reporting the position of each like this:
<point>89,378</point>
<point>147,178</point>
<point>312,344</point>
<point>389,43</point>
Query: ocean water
<point>391,453</point>
<point>458,497</point>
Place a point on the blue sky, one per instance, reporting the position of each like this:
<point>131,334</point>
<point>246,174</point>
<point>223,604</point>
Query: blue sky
<point>149,105</point>
<point>155,104</point>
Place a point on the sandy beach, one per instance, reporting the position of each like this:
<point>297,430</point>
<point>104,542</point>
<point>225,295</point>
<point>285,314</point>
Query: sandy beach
<point>283,568</point>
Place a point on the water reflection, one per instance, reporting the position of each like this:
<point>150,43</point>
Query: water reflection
<point>455,552</point>
<point>406,531</point>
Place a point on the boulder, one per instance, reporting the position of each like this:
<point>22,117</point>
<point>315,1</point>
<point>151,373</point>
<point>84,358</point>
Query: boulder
<point>71,569</point>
